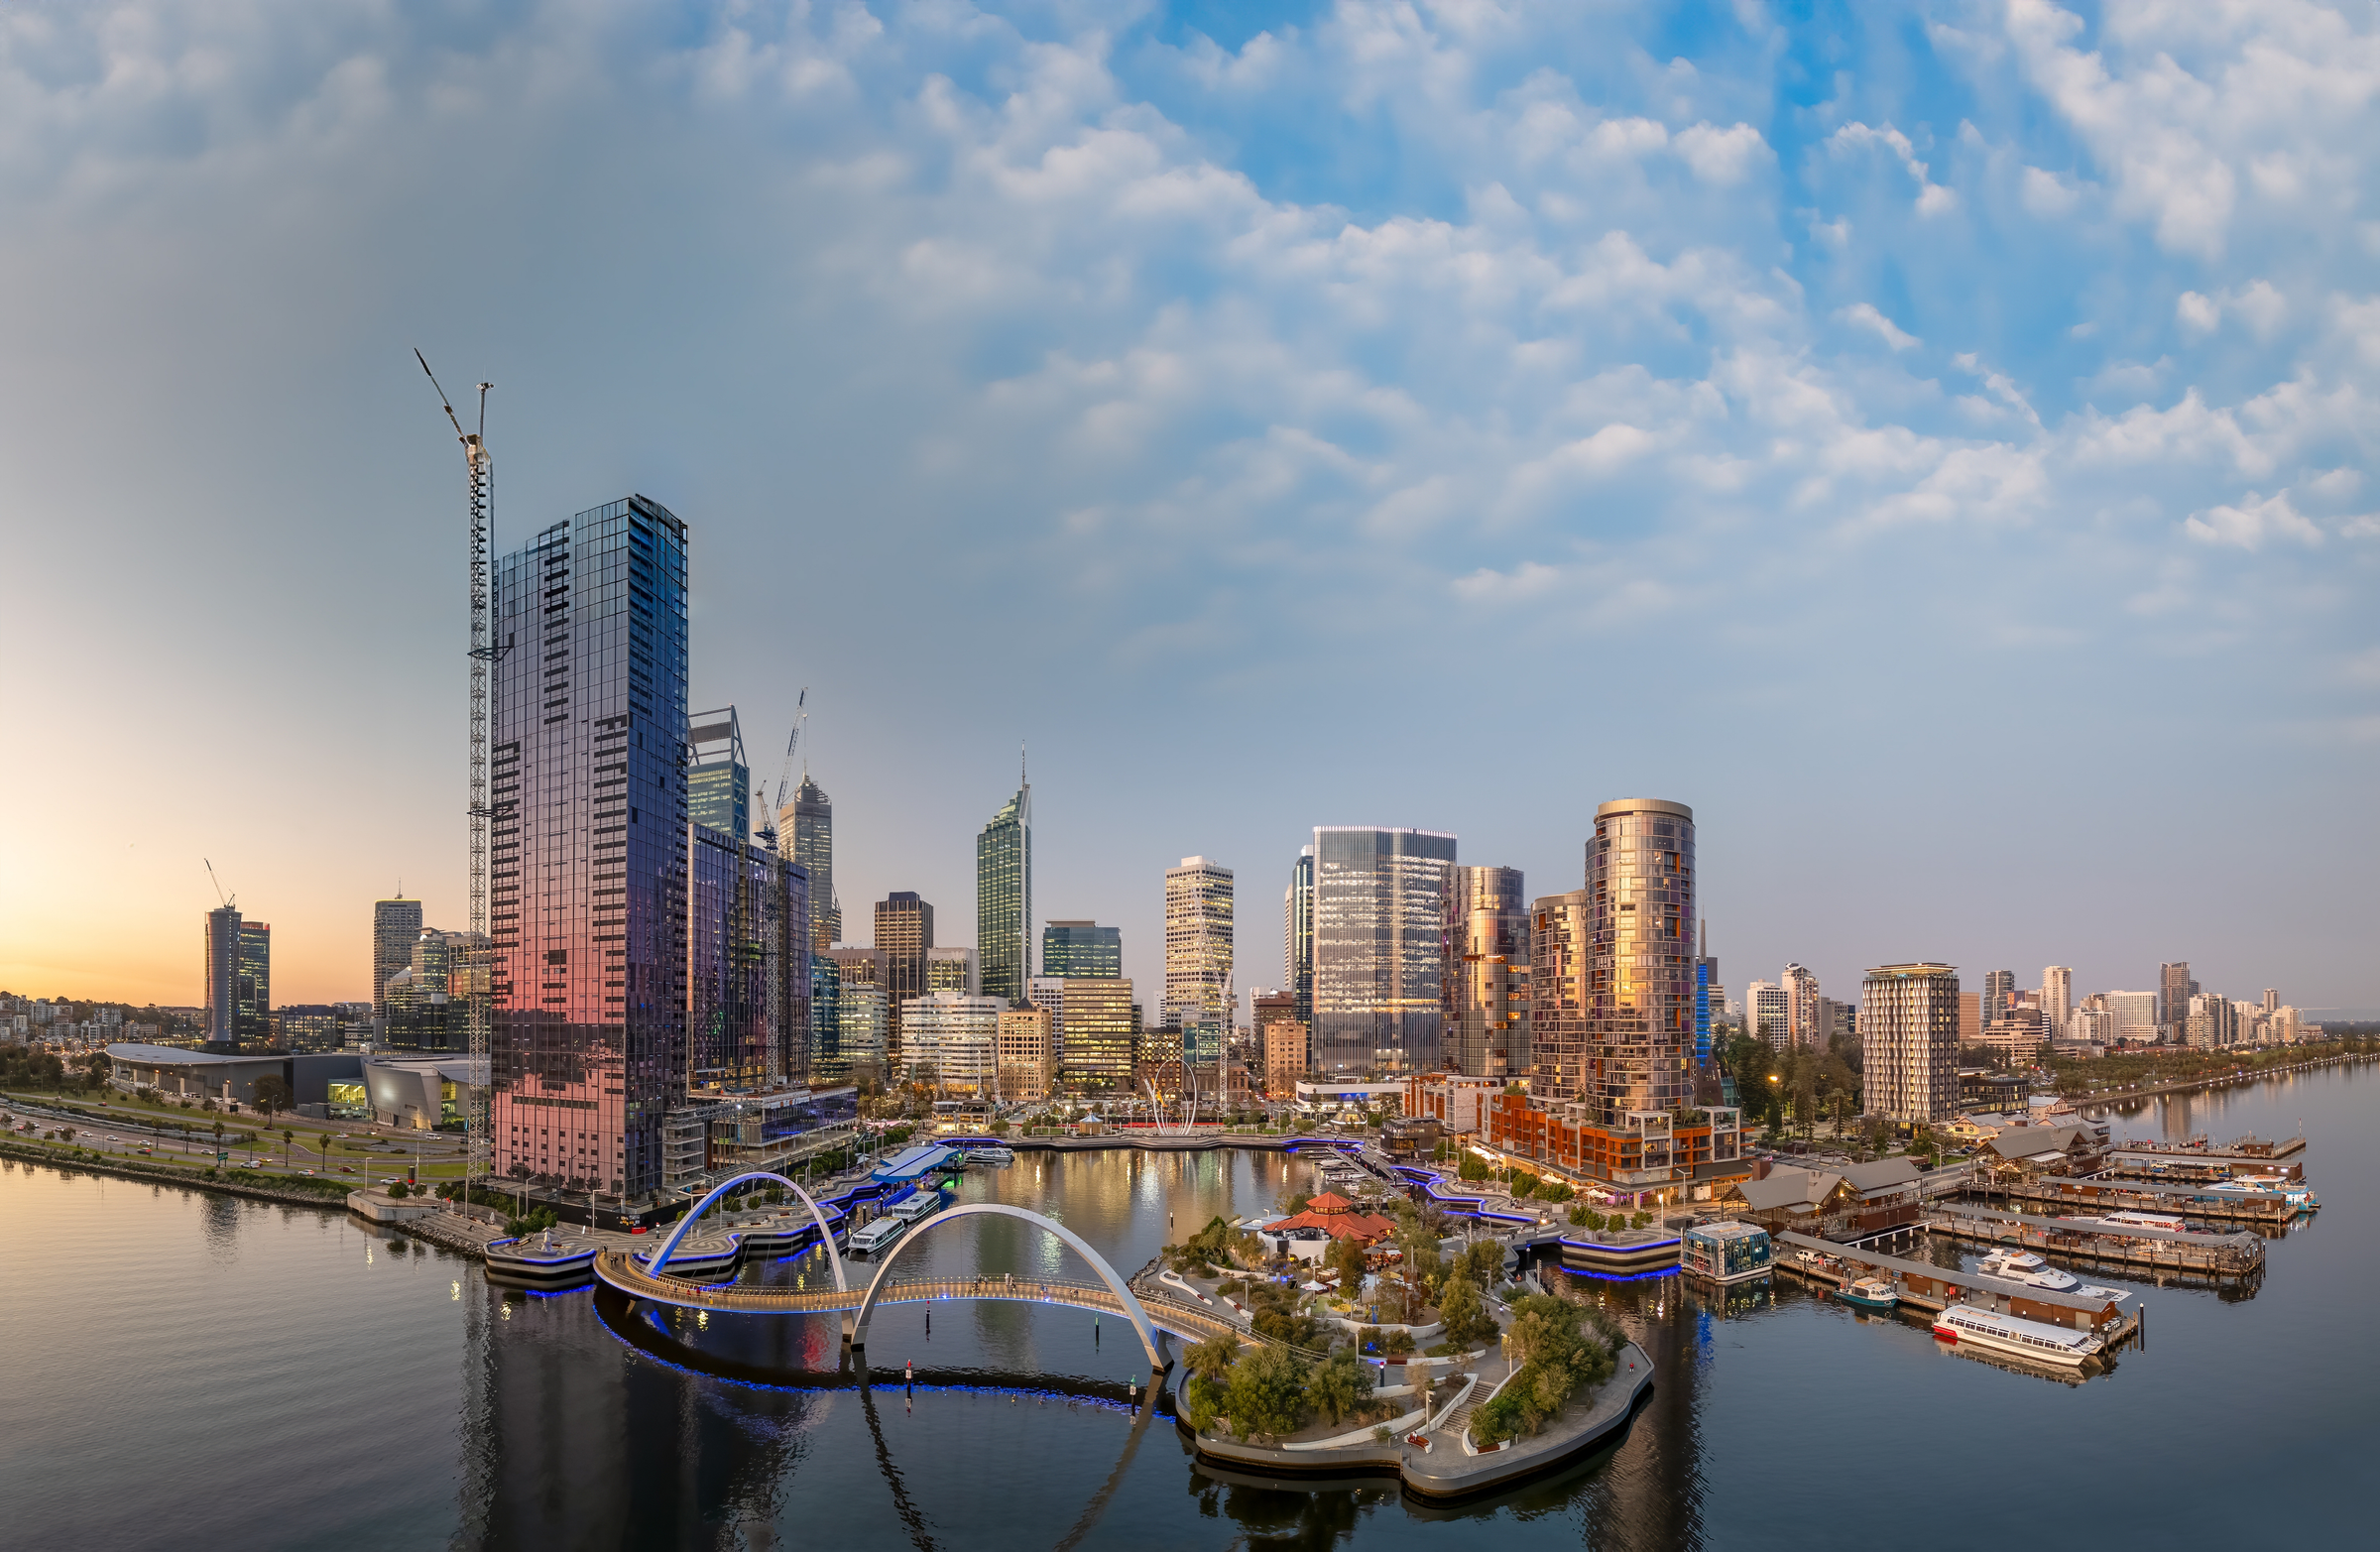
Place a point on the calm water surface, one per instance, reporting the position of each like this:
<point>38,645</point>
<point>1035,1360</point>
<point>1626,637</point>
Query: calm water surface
<point>189,1371</point>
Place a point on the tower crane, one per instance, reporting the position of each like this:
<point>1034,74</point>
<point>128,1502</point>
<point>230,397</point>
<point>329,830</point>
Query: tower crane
<point>785,779</point>
<point>218,883</point>
<point>479,473</point>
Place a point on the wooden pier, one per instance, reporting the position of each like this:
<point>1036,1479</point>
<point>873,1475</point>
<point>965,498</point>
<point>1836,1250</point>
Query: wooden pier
<point>2265,1212</point>
<point>1925,1287</point>
<point>2220,1257</point>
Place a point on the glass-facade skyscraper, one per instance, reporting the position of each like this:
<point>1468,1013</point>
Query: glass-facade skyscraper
<point>1637,991</point>
<point>1004,899</point>
<point>1379,952</point>
<point>1198,955</point>
<point>253,1018</point>
<point>1297,936</point>
<point>805,830</point>
<point>719,777</point>
<point>905,931</point>
<point>1081,950</point>
<point>223,977</point>
<point>396,923</point>
<point>587,861</point>
<point>1486,995</point>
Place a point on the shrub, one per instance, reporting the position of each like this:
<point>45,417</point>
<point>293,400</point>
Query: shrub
<point>1339,1384</point>
<point>1468,1168</point>
<point>1266,1392</point>
<point>1464,1314</point>
<point>396,1190</point>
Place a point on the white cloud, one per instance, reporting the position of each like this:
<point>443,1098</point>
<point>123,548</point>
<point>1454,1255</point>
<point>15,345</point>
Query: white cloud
<point>2251,523</point>
<point>2047,194</point>
<point>2197,312</point>
<point>1863,314</point>
<point>1723,157</point>
<point>1932,198</point>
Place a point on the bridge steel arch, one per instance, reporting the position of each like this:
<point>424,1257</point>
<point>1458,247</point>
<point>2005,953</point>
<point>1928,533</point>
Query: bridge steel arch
<point>826,1234</point>
<point>1148,1333</point>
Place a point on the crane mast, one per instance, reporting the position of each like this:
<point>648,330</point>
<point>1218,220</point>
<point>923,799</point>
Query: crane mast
<point>479,474</point>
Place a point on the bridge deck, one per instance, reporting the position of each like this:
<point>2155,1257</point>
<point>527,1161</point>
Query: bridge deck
<point>616,1269</point>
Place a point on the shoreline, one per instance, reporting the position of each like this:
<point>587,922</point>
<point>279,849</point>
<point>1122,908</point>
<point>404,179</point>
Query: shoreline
<point>2219,1080</point>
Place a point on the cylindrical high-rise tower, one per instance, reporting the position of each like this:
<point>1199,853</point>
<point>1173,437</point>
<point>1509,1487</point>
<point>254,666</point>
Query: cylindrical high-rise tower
<point>1640,970</point>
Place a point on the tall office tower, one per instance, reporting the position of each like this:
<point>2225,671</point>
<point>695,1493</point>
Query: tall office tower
<point>2057,998</point>
<point>748,963</point>
<point>829,1064</point>
<point>1709,1000</point>
<point>1485,1003</point>
<point>1297,935</point>
<point>1909,1041</point>
<point>2272,1001</point>
<point>1380,948</point>
<point>1081,950</point>
<point>396,923</point>
<point>1998,987</point>
<point>905,930</point>
<point>2135,1016</point>
<point>1027,1054</point>
<point>954,970</point>
<point>1765,1014</point>
<point>1970,1019</point>
<point>805,830</point>
<point>1004,899</point>
<point>1096,1027</point>
<point>1801,1008</point>
<point>253,1018</point>
<point>863,1021</point>
<point>1561,945</point>
<point>718,778</point>
<point>587,854</point>
<point>1639,972</point>
<point>223,977</point>
<point>1198,952</point>
<point>2173,987</point>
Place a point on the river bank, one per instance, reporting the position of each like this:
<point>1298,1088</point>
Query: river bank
<point>2224,1080</point>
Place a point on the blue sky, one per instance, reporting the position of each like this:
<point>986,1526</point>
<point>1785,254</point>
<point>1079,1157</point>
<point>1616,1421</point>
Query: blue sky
<point>1933,441</point>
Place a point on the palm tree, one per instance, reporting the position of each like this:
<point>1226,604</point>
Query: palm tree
<point>219,1141</point>
<point>287,1139</point>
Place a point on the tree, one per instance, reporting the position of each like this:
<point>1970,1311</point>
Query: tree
<point>1482,1262</point>
<point>1214,1357</point>
<point>1347,1259</point>
<point>1464,1312</point>
<point>1339,1384</point>
<point>272,1094</point>
<point>287,1139</point>
<point>1266,1392</point>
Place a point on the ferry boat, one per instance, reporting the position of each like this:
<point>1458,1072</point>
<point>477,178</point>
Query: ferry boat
<point>917,1207</point>
<point>2018,1265</point>
<point>998,1157</point>
<point>875,1234</point>
<point>1870,1293</point>
<point>1967,1326</point>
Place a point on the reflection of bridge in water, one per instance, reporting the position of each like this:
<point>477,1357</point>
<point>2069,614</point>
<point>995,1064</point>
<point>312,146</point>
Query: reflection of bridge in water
<point>1153,1316</point>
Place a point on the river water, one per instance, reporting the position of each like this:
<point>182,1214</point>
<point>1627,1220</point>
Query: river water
<point>195,1371</point>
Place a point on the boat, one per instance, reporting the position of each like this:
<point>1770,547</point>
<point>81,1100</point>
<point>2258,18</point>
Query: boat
<point>2024,1267</point>
<point>875,1234</point>
<point>917,1207</point>
<point>2296,1194</point>
<point>995,1156</point>
<point>1966,1325</point>
<point>1870,1293</point>
<point>2134,1218</point>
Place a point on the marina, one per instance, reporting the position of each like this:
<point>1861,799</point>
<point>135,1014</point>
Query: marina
<point>2266,1209</point>
<point>1923,1285</point>
<point>2156,1250</point>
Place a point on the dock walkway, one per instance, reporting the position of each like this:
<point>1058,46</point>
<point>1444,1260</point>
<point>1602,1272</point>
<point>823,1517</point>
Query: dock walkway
<point>1917,1281</point>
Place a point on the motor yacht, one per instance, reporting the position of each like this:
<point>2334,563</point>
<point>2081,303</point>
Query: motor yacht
<point>2018,1265</point>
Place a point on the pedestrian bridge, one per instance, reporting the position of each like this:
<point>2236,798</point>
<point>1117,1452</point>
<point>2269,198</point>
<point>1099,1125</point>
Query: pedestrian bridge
<point>1151,1314</point>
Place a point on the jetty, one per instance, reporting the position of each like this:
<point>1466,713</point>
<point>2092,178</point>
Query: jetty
<point>2220,1256</point>
<point>2268,1212</point>
<point>1924,1286</point>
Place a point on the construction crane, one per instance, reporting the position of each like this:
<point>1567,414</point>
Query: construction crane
<point>479,474</point>
<point>218,883</point>
<point>785,779</point>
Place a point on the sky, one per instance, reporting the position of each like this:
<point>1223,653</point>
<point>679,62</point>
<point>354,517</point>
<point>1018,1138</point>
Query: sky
<point>1933,441</point>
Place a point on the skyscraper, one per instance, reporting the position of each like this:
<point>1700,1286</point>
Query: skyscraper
<point>905,930</point>
<point>1297,936</point>
<point>1198,950</point>
<point>2057,998</point>
<point>1004,897</point>
<point>252,1017</point>
<point>396,923</point>
<point>956,971</point>
<point>1710,999</point>
<point>1561,949</point>
<point>1765,1016</point>
<point>1909,1041</point>
<point>1380,947</point>
<point>223,977</point>
<point>1094,1027</point>
<point>1997,987</point>
<point>719,777</point>
<point>587,862</point>
<point>2173,988</point>
<point>1639,972</point>
<point>1485,1003</point>
<point>806,828</point>
<point>1801,1009</point>
<point>1081,950</point>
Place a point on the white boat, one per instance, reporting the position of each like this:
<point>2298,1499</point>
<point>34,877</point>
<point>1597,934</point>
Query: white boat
<point>2018,1265</point>
<point>875,1234</point>
<point>991,1155</point>
<point>1993,1332</point>
<point>2134,1218</point>
<point>917,1207</point>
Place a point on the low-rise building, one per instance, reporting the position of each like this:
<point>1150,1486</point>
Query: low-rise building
<point>1646,1158</point>
<point>1458,1103</point>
